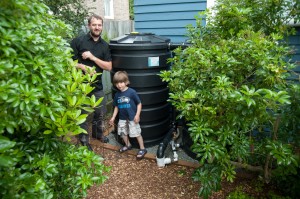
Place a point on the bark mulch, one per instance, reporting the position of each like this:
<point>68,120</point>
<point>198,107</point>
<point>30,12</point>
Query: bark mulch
<point>143,179</point>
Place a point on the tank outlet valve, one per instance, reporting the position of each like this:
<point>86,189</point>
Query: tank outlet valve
<point>175,159</point>
<point>161,162</point>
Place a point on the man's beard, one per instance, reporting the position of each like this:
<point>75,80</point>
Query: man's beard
<point>95,35</point>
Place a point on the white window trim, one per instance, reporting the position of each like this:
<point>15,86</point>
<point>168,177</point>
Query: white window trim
<point>111,7</point>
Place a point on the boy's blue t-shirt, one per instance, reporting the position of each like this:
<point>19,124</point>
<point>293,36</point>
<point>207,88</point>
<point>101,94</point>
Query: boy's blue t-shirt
<point>127,102</point>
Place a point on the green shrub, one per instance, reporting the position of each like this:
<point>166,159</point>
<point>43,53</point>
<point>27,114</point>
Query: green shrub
<point>238,194</point>
<point>41,98</point>
<point>231,87</point>
<point>47,167</point>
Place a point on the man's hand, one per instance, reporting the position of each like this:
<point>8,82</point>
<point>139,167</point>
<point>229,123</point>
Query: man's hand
<point>90,70</point>
<point>87,69</point>
<point>88,55</point>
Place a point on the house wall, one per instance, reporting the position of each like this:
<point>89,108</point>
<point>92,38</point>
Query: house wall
<point>294,42</point>
<point>121,8</point>
<point>167,18</point>
<point>96,7</point>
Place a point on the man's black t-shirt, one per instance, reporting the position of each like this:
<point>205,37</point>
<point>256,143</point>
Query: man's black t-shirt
<point>99,49</point>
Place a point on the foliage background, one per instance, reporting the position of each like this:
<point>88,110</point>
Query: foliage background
<point>41,98</point>
<point>131,9</point>
<point>72,12</point>
<point>235,95</point>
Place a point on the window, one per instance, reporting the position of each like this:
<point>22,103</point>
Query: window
<point>109,9</point>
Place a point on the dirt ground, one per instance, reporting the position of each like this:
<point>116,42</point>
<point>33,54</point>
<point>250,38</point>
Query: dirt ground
<point>130,178</point>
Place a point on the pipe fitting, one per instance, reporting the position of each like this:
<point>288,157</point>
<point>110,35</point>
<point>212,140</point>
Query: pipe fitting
<point>161,162</point>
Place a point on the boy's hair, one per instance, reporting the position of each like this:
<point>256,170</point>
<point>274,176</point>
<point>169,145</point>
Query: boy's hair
<point>121,76</point>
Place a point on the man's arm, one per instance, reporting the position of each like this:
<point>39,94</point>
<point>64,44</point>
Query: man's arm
<point>105,65</point>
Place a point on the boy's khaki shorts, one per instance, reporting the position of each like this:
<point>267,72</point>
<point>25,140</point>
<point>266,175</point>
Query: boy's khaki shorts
<point>129,128</point>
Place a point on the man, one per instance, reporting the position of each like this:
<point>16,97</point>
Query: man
<point>91,50</point>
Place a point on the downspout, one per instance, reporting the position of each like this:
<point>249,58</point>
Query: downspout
<point>170,138</point>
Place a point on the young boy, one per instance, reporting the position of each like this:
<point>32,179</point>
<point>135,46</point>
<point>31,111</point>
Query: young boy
<point>128,104</point>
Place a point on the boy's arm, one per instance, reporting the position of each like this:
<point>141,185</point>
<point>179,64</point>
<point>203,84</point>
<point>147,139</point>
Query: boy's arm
<point>139,109</point>
<point>138,113</point>
<point>116,110</point>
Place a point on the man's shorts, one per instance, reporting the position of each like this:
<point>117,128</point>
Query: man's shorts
<point>129,128</point>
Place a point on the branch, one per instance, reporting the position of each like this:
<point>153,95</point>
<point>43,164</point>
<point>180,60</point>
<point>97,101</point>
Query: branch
<point>247,166</point>
<point>266,169</point>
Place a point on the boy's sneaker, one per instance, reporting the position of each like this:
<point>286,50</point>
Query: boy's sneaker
<point>140,155</point>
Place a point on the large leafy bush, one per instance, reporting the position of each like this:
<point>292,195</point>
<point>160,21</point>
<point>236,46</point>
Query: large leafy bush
<point>231,87</point>
<point>41,98</point>
<point>73,12</point>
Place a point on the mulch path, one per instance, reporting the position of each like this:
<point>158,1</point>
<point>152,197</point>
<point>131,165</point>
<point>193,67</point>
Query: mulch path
<point>143,179</point>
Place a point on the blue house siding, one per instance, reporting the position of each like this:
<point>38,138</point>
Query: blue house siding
<point>167,18</point>
<point>294,42</point>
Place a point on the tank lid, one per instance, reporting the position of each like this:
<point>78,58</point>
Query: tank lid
<point>139,38</point>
